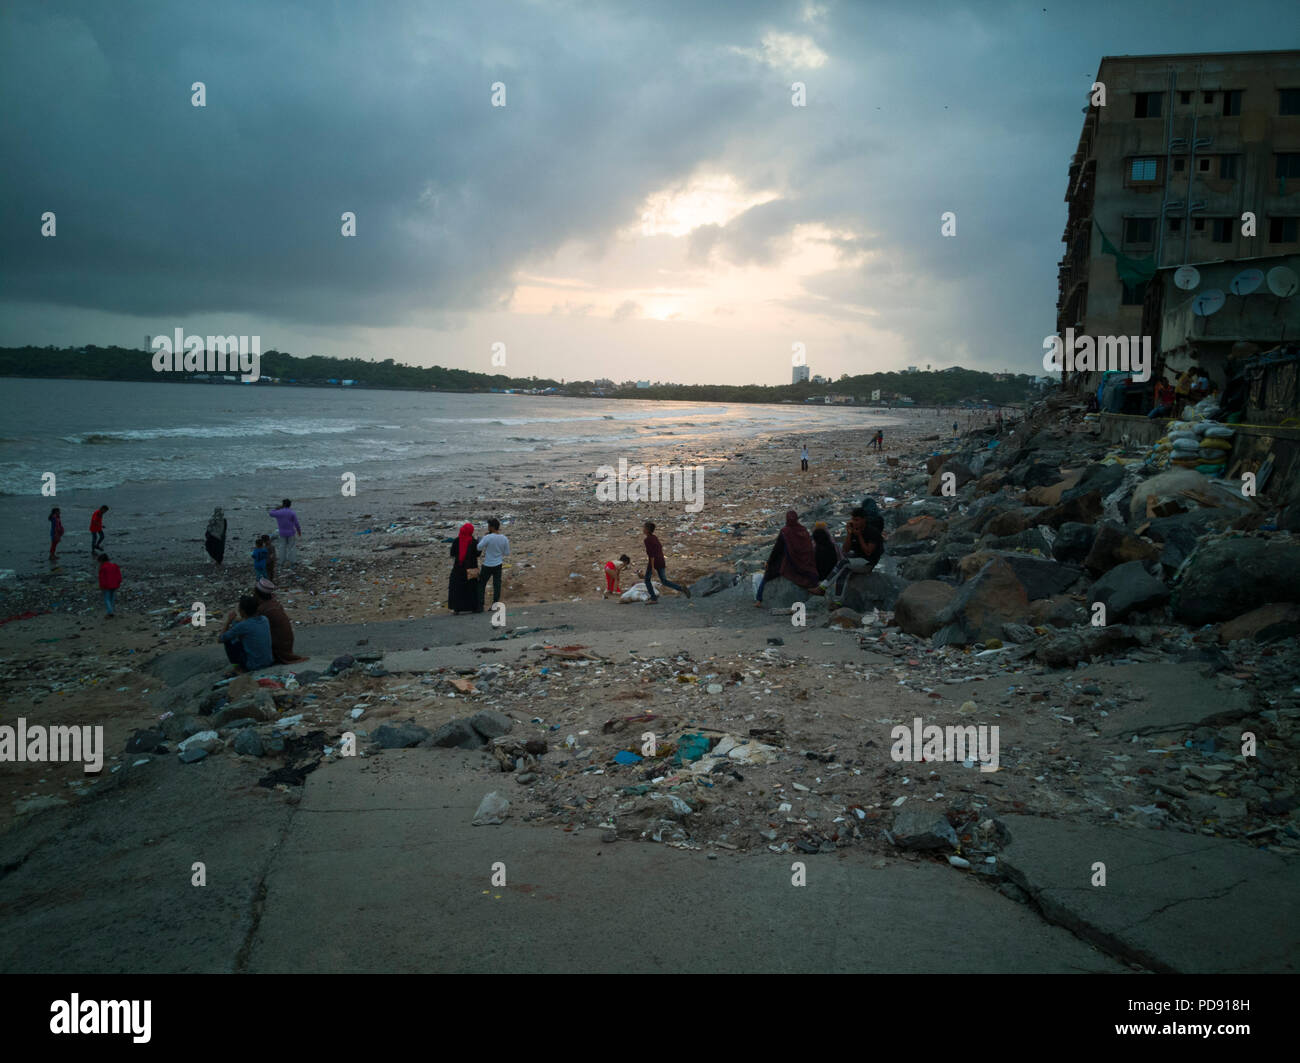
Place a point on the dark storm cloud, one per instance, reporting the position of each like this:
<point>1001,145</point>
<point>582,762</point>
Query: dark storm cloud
<point>379,109</point>
<point>384,109</point>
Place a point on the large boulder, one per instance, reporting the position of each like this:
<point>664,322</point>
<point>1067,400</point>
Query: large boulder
<point>1010,521</point>
<point>457,734</point>
<point>1058,611</point>
<point>399,735</point>
<point>713,583</point>
<point>919,828</point>
<point>1080,509</point>
<point>1073,541</point>
<point>491,724</point>
<point>1040,576</point>
<point>1178,535</point>
<point>951,472</point>
<point>915,530</point>
<point>1104,479</point>
<point>919,607</point>
<point>982,606</point>
<point>1068,649</point>
<point>1128,588</point>
<point>1116,546</point>
<point>780,593</point>
<point>1232,576</point>
<point>872,590</point>
<point>1268,623</point>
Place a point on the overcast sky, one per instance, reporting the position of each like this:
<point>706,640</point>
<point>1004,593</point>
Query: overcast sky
<point>647,204</point>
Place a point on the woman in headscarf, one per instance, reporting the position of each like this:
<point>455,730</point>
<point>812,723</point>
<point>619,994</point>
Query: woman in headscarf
<point>827,553</point>
<point>793,557</point>
<point>215,538</point>
<point>462,586</point>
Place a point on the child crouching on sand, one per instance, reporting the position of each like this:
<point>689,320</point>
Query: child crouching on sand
<point>612,573</point>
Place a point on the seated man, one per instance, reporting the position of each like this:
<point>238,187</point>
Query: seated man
<point>248,641</point>
<point>864,544</point>
<point>269,606</point>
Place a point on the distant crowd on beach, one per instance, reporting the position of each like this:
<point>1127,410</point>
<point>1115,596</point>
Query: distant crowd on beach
<point>256,634</point>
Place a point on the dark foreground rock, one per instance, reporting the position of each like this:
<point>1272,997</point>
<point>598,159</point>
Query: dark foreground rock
<point>1128,588</point>
<point>982,606</point>
<point>1232,576</point>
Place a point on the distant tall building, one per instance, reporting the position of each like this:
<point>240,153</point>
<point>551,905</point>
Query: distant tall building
<point>1164,172</point>
<point>800,374</point>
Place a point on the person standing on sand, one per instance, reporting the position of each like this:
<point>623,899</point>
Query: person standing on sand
<point>110,579</point>
<point>97,529</point>
<point>793,557</point>
<point>654,553</point>
<point>214,538</point>
<point>878,440</point>
<point>612,573</point>
<point>286,521</point>
<point>462,584</point>
<point>495,548</point>
<point>56,530</point>
<point>803,459</point>
<point>261,552</point>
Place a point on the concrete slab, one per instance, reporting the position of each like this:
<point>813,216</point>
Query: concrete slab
<point>383,872</point>
<point>1173,902</point>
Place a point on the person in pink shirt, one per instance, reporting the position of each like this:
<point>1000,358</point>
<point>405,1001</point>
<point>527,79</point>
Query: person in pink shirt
<point>286,521</point>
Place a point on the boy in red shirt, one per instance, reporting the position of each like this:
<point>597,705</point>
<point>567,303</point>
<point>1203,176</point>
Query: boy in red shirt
<point>654,553</point>
<point>110,578</point>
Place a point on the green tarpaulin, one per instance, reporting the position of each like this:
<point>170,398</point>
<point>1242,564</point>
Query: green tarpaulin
<point>1132,271</point>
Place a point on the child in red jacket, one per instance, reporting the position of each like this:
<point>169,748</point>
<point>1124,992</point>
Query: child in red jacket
<point>110,578</point>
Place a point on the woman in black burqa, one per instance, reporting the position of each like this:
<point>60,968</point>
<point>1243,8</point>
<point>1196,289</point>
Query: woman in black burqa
<point>214,539</point>
<point>462,588</point>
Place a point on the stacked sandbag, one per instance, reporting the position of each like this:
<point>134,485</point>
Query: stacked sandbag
<point>1214,445</point>
<point>1184,444</point>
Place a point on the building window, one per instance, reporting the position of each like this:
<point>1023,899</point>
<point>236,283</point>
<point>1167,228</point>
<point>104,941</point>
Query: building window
<point>1134,294</point>
<point>1143,170</point>
<point>1146,104</point>
<point>1198,224</point>
<point>1222,230</point>
<point>1139,230</point>
<point>1232,103</point>
<point>1180,164</point>
<point>1228,167</point>
<point>1288,101</point>
<point>1203,164</point>
<point>1175,225</point>
<point>1184,97</point>
<point>1283,230</point>
<point>1288,165</point>
<point>1209,97</point>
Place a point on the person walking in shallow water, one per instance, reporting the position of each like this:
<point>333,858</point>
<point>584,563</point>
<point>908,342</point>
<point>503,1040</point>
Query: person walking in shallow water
<point>56,530</point>
<point>803,459</point>
<point>97,529</point>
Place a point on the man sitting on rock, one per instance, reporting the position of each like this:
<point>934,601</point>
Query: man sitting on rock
<point>864,544</point>
<point>281,626</point>
<point>248,642</point>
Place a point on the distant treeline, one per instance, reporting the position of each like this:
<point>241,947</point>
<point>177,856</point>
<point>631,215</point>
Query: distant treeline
<point>947,387</point>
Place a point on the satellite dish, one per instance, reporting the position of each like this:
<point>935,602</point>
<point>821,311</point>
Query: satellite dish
<point>1208,302</point>
<point>1246,281</point>
<point>1187,277</point>
<point>1282,281</point>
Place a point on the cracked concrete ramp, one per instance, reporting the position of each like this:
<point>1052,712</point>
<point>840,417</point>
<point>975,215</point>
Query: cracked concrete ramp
<point>1173,902</point>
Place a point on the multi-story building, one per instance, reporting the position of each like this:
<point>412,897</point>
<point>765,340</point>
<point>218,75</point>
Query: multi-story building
<point>800,374</point>
<point>1191,159</point>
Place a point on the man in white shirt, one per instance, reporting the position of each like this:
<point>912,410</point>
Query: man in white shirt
<point>493,549</point>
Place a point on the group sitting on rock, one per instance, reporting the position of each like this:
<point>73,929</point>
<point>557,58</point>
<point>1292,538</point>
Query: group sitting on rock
<point>261,633</point>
